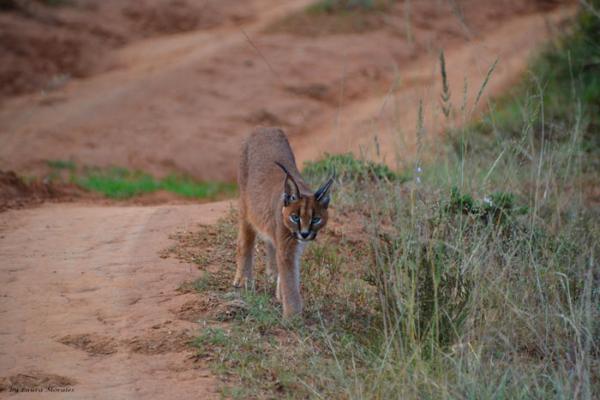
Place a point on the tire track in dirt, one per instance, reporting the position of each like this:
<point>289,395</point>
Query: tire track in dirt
<point>391,119</point>
<point>90,119</point>
<point>88,299</point>
<point>184,102</point>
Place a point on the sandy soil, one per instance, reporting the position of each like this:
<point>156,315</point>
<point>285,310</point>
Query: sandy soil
<point>391,119</point>
<point>183,102</point>
<point>87,301</point>
<point>43,47</point>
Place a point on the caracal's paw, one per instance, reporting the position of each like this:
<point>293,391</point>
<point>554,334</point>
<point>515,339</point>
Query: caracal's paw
<point>242,282</point>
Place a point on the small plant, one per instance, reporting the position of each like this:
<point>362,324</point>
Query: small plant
<point>55,3</point>
<point>261,311</point>
<point>62,164</point>
<point>204,283</point>
<point>337,6</point>
<point>497,207</point>
<point>210,337</point>
<point>422,283</point>
<point>335,16</point>
<point>348,168</point>
<point>461,203</point>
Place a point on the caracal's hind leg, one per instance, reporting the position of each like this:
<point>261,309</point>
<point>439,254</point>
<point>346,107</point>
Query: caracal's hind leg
<point>245,255</point>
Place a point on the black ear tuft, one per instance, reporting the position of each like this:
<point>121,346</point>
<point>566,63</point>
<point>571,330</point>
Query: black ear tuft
<point>322,194</point>
<point>291,192</point>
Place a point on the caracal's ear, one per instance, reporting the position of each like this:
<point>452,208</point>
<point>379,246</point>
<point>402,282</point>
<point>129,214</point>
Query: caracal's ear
<point>291,192</point>
<point>322,194</point>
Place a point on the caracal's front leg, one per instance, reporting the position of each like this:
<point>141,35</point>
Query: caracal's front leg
<point>288,279</point>
<point>271,261</point>
<point>272,271</point>
<point>245,253</point>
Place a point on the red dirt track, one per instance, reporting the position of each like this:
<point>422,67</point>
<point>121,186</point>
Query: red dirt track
<point>183,102</point>
<point>86,297</point>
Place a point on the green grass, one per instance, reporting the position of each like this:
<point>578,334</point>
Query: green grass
<point>120,183</point>
<point>62,165</point>
<point>478,280</point>
<point>346,6</point>
<point>561,92</point>
<point>257,352</point>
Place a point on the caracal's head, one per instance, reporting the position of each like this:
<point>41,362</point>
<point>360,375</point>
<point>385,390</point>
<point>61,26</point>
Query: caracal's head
<point>304,214</point>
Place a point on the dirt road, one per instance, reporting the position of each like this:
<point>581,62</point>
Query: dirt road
<point>183,102</point>
<point>392,117</point>
<point>87,301</point>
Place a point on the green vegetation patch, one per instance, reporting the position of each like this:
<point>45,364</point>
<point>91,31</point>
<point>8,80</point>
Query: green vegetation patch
<point>559,94</point>
<point>345,6</point>
<point>121,183</point>
<point>348,168</point>
<point>117,183</point>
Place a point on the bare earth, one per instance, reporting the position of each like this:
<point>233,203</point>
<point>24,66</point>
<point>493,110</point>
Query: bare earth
<point>183,102</point>
<point>86,299</point>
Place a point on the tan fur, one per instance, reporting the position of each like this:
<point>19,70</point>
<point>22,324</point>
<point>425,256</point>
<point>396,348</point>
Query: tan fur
<point>269,200</point>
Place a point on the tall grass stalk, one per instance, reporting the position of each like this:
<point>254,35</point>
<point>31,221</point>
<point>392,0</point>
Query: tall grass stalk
<point>487,278</point>
<point>473,275</point>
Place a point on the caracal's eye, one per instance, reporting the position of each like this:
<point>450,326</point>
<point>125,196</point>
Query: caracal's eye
<point>294,218</point>
<point>316,220</point>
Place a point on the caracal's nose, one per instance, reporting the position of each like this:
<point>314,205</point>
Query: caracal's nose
<point>304,234</point>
